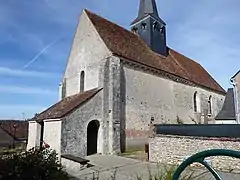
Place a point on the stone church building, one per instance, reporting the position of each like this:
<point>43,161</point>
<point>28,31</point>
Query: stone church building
<point>117,82</point>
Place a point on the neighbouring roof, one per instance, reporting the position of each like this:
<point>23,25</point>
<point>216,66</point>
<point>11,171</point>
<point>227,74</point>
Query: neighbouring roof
<point>66,105</point>
<point>228,110</point>
<point>5,138</point>
<point>126,44</point>
<point>15,128</point>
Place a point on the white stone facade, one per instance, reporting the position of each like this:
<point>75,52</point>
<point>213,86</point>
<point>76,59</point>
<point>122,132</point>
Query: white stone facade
<point>34,133</point>
<point>88,54</point>
<point>52,134</point>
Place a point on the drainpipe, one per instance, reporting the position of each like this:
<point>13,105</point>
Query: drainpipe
<point>232,82</point>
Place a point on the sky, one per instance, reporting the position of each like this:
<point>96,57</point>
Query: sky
<point>36,37</point>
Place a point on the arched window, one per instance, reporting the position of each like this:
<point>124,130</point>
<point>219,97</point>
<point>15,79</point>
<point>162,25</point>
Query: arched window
<point>82,78</point>
<point>210,105</point>
<point>196,102</point>
<point>64,88</point>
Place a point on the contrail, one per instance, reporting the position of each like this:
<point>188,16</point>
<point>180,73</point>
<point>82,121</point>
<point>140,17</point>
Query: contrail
<point>40,53</point>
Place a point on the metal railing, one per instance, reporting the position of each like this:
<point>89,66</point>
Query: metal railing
<point>200,158</point>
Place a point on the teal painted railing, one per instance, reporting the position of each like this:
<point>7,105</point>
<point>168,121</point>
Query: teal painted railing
<point>200,158</point>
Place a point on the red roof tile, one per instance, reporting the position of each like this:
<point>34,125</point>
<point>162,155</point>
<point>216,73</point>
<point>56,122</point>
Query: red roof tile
<point>130,46</point>
<point>17,129</point>
<point>66,105</point>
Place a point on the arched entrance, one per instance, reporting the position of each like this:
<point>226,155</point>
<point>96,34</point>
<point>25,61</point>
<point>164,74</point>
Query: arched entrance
<point>92,137</point>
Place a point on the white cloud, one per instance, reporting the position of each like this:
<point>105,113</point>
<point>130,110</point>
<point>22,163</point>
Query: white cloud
<point>25,73</point>
<point>26,90</point>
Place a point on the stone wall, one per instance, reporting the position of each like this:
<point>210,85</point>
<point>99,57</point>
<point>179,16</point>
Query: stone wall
<point>88,54</point>
<point>74,128</point>
<point>150,96</point>
<point>174,149</point>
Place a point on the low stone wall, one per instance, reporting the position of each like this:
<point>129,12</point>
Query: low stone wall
<point>174,149</point>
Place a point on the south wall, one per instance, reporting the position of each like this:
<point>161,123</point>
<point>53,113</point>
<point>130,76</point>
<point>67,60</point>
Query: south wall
<point>150,96</point>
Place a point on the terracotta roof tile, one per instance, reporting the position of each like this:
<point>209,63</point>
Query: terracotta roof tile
<point>66,105</point>
<point>9,126</point>
<point>5,138</point>
<point>130,46</point>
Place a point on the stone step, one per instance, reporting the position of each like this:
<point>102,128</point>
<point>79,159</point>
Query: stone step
<point>75,163</point>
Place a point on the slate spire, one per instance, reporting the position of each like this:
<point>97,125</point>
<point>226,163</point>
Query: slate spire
<point>150,27</point>
<point>148,7</point>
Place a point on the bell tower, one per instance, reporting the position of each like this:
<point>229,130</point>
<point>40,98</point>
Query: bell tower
<point>150,27</point>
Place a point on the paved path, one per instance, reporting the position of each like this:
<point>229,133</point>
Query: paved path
<point>120,168</point>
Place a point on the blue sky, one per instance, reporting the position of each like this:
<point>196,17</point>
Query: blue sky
<point>36,36</point>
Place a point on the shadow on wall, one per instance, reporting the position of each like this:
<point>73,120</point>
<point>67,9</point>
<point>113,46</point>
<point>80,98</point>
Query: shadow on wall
<point>123,111</point>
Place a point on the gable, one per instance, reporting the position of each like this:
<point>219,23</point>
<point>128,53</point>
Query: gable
<point>86,43</point>
<point>126,44</point>
<point>86,54</point>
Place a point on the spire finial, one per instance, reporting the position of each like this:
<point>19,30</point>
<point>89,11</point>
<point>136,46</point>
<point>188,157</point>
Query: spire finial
<point>148,7</point>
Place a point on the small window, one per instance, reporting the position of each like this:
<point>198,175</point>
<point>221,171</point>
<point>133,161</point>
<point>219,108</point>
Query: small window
<point>196,102</point>
<point>162,29</point>
<point>134,30</point>
<point>210,105</point>
<point>82,78</point>
<point>155,25</point>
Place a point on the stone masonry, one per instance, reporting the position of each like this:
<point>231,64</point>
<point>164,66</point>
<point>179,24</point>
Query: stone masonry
<point>74,128</point>
<point>174,149</point>
<point>149,95</point>
<point>88,54</point>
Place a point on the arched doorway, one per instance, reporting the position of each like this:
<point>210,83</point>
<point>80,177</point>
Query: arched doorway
<point>92,137</point>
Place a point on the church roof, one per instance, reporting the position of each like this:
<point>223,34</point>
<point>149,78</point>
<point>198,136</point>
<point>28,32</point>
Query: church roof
<point>126,44</point>
<point>66,105</point>
<point>228,110</point>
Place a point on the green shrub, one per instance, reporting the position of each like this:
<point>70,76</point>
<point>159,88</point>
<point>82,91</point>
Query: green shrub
<point>35,164</point>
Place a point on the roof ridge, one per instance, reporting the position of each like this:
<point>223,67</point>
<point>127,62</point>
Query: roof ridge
<point>126,30</point>
<point>124,43</point>
<point>57,108</point>
<point>88,12</point>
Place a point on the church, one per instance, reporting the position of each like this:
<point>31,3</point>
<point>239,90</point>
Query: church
<point>117,82</point>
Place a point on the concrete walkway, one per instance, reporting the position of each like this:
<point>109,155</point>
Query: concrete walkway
<point>121,168</point>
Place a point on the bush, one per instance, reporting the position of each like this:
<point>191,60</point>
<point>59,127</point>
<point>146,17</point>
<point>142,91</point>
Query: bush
<point>35,164</point>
